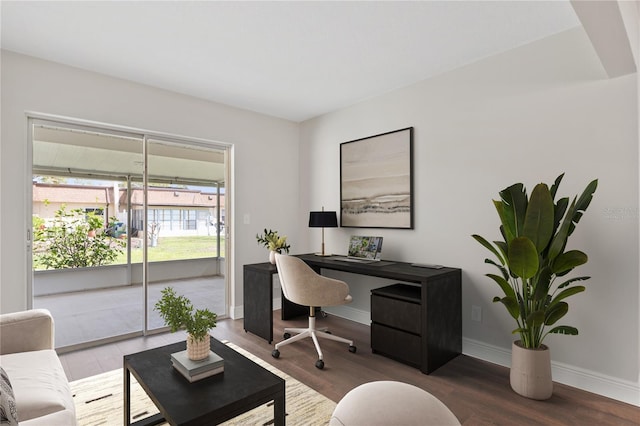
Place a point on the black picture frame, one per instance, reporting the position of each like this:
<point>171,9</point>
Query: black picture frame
<point>376,181</point>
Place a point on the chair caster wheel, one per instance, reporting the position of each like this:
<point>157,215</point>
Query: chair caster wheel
<point>352,349</point>
<point>275,353</point>
<point>320,364</point>
<point>286,335</point>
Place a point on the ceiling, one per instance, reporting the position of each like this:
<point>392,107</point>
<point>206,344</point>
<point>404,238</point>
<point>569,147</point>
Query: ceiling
<point>294,60</point>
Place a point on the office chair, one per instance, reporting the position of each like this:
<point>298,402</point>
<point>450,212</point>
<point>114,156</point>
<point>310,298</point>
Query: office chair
<point>302,285</point>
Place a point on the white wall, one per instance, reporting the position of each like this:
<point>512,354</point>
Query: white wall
<point>524,116</point>
<point>266,194</point>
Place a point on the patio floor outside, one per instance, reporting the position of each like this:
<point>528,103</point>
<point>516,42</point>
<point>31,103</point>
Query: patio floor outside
<point>86,316</point>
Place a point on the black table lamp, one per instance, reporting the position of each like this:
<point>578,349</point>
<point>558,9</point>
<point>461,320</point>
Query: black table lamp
<point>323,220</point>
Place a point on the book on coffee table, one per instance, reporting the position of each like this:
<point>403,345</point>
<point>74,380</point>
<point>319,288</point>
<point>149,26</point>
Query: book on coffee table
<point>196,377</point>
<point>196,370</point>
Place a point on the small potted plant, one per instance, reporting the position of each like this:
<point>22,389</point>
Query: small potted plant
<point>275,243</point>
<point>178,313</point>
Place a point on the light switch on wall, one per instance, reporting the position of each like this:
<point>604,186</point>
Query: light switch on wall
<point>247,219</point>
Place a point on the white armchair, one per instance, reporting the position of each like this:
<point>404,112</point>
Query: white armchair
<point>27,355</point>
<point>301,285</point>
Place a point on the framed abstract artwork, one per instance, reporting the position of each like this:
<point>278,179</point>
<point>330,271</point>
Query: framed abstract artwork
<point>376,181</point>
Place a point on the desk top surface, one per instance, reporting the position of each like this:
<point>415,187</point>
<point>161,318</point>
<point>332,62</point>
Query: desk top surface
<point>402,271</point>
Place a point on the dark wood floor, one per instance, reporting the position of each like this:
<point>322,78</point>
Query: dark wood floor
<point>477,392</point>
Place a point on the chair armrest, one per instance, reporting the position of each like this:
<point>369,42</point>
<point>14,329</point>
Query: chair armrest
<point>26,331</point>
<point>325,291</point>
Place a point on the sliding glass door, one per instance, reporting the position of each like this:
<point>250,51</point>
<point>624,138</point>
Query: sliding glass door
<point>184,227</point>
<point>117,216</point>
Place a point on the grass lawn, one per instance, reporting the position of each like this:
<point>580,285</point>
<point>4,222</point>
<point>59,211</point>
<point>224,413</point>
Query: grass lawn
<point>176,248</point>
<point>170,248</point>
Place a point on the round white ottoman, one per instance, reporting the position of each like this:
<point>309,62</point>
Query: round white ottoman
<point>387,403</point>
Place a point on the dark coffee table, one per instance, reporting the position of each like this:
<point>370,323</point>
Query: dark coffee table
<point>244,385</point>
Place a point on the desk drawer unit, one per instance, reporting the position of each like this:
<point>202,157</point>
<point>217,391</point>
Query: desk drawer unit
<point>395,329</point>
<point>396,313</point>
<point>396,344</point>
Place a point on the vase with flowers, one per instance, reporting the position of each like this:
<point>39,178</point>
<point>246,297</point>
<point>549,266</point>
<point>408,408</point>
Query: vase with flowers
<point>274,242</point>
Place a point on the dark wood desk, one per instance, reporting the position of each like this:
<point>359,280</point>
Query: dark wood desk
<point>440,308</point>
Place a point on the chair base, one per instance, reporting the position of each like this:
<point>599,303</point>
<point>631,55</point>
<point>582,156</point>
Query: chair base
<point>315,334</point>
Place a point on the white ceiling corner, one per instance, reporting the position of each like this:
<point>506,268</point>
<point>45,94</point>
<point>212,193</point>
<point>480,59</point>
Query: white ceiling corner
<point>289,59</point>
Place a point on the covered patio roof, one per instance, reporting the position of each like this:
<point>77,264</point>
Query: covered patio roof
<point>79,152</point>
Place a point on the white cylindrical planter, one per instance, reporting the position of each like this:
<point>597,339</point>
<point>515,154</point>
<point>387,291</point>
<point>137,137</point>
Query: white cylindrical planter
<point>198,349</point>
<point>272,257</point>
<point>531,371</point>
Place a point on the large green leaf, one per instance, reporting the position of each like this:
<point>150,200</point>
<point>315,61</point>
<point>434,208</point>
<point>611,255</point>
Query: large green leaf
<point>583,202</point>
<point>556,312</point>
<point>560,205</point>
<point>504,285</point>
<point>539,219</point>
<point>566,283</point>
<point>507,228</point>
<point>489,247</point>
<point>566,293</point>
<point>568,260</point>
<point>502,269</point>
<point>504,235</point>
<point>572,217</point>
<point>556,185</point>
<point>564,329</point>
<point>512,209</point>
<point>523,258</point>
<point>558,212</point>
<point>504,250</point>
<point>560,239</point>
<point>511,305</point>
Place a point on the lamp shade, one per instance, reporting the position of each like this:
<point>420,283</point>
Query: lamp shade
<point>323,219</point>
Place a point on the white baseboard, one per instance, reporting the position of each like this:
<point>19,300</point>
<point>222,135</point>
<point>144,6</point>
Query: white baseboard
<point>611,387</point>
<point>344,311</point>
<point>357,315</point>
<point>236,312</point>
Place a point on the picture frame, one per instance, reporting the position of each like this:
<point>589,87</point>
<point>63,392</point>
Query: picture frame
<point>376,181</point>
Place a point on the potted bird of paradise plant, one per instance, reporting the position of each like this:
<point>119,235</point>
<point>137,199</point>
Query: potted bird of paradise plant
<point>533,260</point>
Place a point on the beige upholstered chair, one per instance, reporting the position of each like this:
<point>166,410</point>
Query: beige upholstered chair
<point>301,285</point>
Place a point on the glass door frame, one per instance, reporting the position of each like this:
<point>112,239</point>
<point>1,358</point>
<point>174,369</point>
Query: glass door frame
<point>33,119</point>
